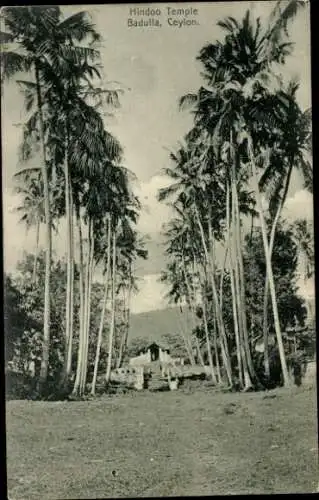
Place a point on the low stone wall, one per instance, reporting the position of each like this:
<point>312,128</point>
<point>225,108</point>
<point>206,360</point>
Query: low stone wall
<point>130,376</point>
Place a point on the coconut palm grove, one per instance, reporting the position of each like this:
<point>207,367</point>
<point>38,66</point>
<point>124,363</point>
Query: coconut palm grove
<point>240,416</point>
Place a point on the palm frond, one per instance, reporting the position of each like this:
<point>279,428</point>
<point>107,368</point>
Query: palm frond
<point>307,173</point>
<point>78,27</point>
<point>229,24</point>
<point>188,101</point>
<point>280,18</point>
<point>12,63</point>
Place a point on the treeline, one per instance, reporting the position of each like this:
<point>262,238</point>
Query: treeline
<point>23,316</point>
<point>80,178</point>
<point>230,178</point>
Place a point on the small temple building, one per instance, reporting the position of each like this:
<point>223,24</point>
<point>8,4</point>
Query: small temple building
<point>153,352</point>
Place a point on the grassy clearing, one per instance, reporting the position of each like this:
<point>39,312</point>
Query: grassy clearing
<point>163,444</point>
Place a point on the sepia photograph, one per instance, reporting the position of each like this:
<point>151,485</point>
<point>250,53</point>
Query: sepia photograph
<point>158,250</point>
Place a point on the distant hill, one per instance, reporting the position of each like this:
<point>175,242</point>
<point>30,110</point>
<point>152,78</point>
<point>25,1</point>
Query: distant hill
<point>154,324</point>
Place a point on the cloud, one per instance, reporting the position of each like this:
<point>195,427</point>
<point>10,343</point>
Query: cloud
<point>154,213</point>
<point>151,295</point>
<point>300,205</point>
<point>17,239</point>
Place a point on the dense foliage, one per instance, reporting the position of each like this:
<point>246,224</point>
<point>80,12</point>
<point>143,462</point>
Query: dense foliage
<point>235,164</point>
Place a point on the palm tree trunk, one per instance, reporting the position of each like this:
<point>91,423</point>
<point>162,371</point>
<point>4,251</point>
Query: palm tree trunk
<point>283,362</point>
<point>236,329</point>
<point>48,238</point>
<point>248,370</point>
<point>219,317</point>
<point>68,215</point>
<point>106,289</point>
<point>221,284</point>
<point>209,350</point>
<point>122,339</point>
<point>128,318</point>
<point>199,352</point>
<point>193,311</point>
<point>85,312</point>
<point>187,340</point>
<point>90,265</point>
<point>252,315</point>
<point>70,346</point>
<point>126,325</point>
<point>218,374</point>
<point>112,326</point>
<point>233,287</point>
<point>266,291</point>
<point>81,311</point>
<point>35,263</point>
<point>202,281</point>
<point>250,365</point>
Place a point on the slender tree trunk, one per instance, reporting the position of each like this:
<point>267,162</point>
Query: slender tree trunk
<point>236,329</point>
<point>219,304</point>
<point>128,319</point>
<point>218,373</point>
<point>37,235</point>
<point>106,289</point>
<point>88,304</point>
<point>283,362</point>
<point>219,317</point>
<point>248,370</point>
<point>252,315</point>
<point>85,312</point>
<point>81,311</point>
<point>48,240</point>
<point>121,349</point>
<point>221,285</point>
<point>112,327</point>
<point>193,311</point>
<point>234,293</point>
<point>266,291</point>
<point>84,320</point>
<point>187,340</point>
<point>209,350</point>
<point>243,293</point>
<point>126,325</point>
<point>121,333</point>
<point>70,270</point>
<point>70,346</point>
<point>202,281</point>
<point>199,352</point>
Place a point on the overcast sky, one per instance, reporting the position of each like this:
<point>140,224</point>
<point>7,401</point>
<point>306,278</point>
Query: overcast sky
<point>158,65</point>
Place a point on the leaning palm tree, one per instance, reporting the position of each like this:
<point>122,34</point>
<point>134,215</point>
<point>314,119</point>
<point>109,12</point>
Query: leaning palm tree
<point>291,152</point>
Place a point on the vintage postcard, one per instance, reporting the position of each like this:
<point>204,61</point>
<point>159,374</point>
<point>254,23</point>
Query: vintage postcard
<point>158,237</point>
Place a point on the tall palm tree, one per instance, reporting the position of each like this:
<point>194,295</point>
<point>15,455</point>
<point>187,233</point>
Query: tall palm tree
<point>28,28</point>
<point>191,191</point>
<point>291,152</point>
<point>236,72</point>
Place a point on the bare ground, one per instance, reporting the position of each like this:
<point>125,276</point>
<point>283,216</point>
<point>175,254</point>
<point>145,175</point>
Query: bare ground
<point>163,444</point>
